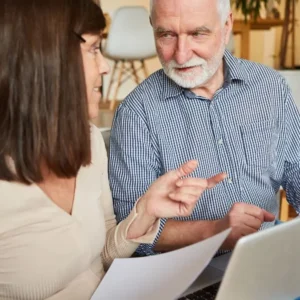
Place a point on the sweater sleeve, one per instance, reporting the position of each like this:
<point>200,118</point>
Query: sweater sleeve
<point>117,245</point>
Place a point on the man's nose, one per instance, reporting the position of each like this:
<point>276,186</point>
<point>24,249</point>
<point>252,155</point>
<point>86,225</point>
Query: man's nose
<point>183,52</point>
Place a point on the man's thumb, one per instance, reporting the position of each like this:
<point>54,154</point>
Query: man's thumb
<point>268,217</point>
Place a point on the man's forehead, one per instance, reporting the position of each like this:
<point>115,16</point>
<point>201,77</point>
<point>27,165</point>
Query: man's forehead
<point>184,14</point>
<point>178,7</point>
<point>165,10</point>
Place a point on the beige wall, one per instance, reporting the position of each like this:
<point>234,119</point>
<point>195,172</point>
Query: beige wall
<point>110,5</point>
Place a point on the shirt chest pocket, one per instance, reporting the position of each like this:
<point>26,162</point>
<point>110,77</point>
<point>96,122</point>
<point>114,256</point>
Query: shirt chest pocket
<point>258,141</point>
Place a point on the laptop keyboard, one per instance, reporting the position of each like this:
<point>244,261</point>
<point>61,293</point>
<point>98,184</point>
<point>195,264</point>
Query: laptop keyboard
<point>208,293</point>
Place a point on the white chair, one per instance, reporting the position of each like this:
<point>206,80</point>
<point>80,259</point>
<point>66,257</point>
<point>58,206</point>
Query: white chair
<point>130,40</point>
<point>106,137</point>
<point>293,80</point>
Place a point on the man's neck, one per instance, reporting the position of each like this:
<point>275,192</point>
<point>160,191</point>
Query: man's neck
<point>211,86</point>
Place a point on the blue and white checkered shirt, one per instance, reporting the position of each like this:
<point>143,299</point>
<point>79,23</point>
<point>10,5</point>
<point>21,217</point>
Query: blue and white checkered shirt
<point>250,130</point>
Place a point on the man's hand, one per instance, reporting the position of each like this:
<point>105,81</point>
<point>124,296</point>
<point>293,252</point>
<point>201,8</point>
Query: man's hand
<point>244,219</point>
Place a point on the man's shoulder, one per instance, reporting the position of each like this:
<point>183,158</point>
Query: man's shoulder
<point>151,89</point>
<point>259,72</point>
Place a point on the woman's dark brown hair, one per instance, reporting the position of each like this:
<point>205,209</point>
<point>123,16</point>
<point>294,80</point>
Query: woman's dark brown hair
<point>43,107</point>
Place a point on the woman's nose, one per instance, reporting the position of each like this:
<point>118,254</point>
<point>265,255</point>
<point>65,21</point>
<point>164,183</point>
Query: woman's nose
<point>103,65</point>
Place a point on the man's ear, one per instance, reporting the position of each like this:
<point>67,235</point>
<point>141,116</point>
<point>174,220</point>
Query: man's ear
<point>150,20</point>
<point>228,27</point>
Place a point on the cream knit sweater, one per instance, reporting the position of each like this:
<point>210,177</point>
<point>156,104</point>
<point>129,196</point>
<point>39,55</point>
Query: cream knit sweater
<point>46,253</point>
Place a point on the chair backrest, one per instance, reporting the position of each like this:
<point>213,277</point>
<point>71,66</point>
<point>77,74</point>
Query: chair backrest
<point>130,35</point>
<point>293,79</point>
<point>106,137</point>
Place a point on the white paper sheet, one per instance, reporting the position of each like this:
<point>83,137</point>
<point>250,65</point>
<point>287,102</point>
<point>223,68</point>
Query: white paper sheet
<point>165,276</point>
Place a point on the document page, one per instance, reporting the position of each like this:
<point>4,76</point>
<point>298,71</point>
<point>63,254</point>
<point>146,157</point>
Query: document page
<point>165,276</point>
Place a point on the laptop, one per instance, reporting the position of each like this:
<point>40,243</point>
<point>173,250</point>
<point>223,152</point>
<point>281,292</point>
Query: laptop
<point>264,265</point>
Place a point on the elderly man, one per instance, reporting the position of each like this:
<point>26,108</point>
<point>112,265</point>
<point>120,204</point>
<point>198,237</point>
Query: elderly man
<point>232,115</point>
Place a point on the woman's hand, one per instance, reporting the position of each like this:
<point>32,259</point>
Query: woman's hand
<point>171,195</point>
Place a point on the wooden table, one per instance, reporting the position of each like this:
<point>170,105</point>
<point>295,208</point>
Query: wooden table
<point>242,28</point>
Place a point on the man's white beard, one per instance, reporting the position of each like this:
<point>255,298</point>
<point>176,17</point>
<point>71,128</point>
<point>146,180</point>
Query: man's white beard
<point>196,77</point>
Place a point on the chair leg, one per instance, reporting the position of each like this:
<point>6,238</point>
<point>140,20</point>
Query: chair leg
<point>114,100</point>
<point>134,73</point>
<point>144,68</point>
<point>284,207</point>
<point>111,80</point>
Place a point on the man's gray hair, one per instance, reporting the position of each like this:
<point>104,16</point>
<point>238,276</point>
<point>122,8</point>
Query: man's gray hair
<point>223,8</point>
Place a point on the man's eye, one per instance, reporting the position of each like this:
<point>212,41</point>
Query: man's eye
<point>196,34</point>
<point>167,35</point>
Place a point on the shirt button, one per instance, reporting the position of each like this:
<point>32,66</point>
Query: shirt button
<point>230,180</point>
<point>220,142</point>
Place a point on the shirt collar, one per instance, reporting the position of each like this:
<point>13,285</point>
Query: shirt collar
<point>170,88</point>
<point>233,69</point>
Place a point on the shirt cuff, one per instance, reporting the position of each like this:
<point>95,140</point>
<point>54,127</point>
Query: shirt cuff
<point>147,238</point>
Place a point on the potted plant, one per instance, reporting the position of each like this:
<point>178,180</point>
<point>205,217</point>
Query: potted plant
<point>252,8</point>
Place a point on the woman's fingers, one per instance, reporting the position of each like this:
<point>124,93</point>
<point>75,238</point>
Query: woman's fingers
<point>175,193</point>
<point>186,169</point>
<point>184,209</point>
<point>214,180</point>
<point>205,183</point>
<point>189,190</point>
<point>191,181</point>
<point>182,197</point>
<point>187,195</point>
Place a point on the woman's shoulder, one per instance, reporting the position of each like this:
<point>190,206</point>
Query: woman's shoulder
<point>15,190</point>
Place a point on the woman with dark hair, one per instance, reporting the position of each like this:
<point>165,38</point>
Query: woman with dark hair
<point>58,231</point>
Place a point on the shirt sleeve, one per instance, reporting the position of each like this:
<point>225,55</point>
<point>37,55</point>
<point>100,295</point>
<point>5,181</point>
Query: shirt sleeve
<point>117,245</point>
<point>133,165</point>
<point>291,177</point>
